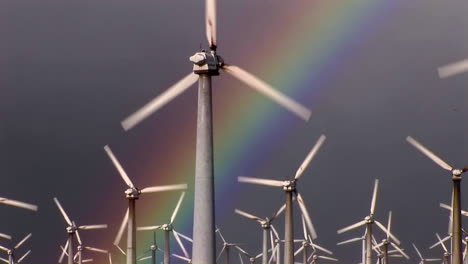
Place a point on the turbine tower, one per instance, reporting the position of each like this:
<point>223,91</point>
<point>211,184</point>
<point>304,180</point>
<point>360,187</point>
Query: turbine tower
<point>266,226</point>
<point>72,230</point>
<point>168,229</point>
<point>289,187</point>
<point>207,64</point>
<point>368,222</point>
<point>456,200</point>
<point>132,194</point>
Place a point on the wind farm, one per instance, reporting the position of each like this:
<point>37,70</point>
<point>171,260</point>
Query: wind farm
<point>307,150</point>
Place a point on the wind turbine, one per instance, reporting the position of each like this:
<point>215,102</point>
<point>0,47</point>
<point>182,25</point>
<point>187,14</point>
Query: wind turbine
<point>314,257</point>
<point>11,251</point>
<point>446,252</point>
<point>265,223</point>
<point>453,69</point>
<point>456,203</point>
<point>72,230</point>
<point>226,247</point>
<point>363,246</point>
<point>132,194</point>
<point>307,243</point>
<point>153,249</point>
<point>19,204</point>
<point>206,65</point>
<point>422,260</point>
<point>289,187</point>
<point>383,246</point>
<point>368,222</point>
<point>168,229</point>
<point>81,248</point>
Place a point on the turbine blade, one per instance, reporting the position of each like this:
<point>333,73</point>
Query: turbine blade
<point>327,258</point>
<point>182,258</point>
<point>267,182</point>
<point>221,252</point>
<point>279,212</point>
<point>417,251</point>
<point>182,247</point>
<point>4,249</point>
<point>87,260</point>
<point>442,243</point>
<point>389,224</point>
<point>250,216</point>
<point>304,228</point>
<point>185,237</point>
<point>144,258</point>
<point>151,228</point>
<point>306,215</point>
<point>158,102</point>
<point>4,260</point>
<point>395,246</point>
<point>453,69</point>
<point>121,250</point>
<point>438,243</point>
<point>173,187</point>
<point>309,157</point>
<point>322,248</point>
<point>77,233</point>
<point>121,230</point>
<point>349,241</point>
<point>385,231</point>
<point>67,219</point>
<point>221,235</point>
<point>275,232</point>
<point>119,168</point>
<point>351,227</point>
<point>19,204</point>
<point>299,250</point>
<point>97,250</point>
<point>24,256</point>
<point>5,236</point>
<point>433,259</point>
<point>64,252</point>
<point>210,18</point>
<point>264,88</point>
<point>174,214</point>
<point>428,153</point>
<point>110,258</point>
<point>374,196</point>
<point>88,227</point>
<point>241,260</point>
<point>243,251</point>
<point>23,241</point>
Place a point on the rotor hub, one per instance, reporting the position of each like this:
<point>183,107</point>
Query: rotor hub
<point>266,224</point>
<point>80,248</point>
<point>153,248</point>
<point>369,219</point>
<point>206,62</point>
<point>167,227</point>
<point>289,186</point>
<point>10,252</point>
<point>71,229</point>
<point>132,193</point>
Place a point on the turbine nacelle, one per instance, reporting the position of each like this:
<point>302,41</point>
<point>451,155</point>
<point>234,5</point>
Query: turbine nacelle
<point>206,62</point>
<point>289,186</point>
<point>266,224</point>
<point>369,219</point>
<point>132,193</point>
<point>457,172</point>
<point>72,229</point>
<point>153,248</point>
<point>167,227</point>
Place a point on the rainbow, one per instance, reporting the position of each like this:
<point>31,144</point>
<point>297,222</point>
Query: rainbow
<point>318,34</point>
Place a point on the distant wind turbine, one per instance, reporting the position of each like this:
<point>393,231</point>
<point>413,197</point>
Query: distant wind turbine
<point>12,251</point>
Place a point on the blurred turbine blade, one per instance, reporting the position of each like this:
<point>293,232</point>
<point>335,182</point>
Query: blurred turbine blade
<point>327,258</point>
<point>78,237</point>
<point>121,250</point>
<point>389,224</point>
<point>173,187</point>
<point>185,237</point>
<point>121,230</point>
<point>210,18</point>
<point>350,241</point>
<point>299,250</point>
<point>174,214</point>
<point>351,227</point>
<point>243,251</point>
<point>97,250</point>
<point>144,258</point>
<point>4,260</point>
<point>88,227</point>
<point>64,252</point>
<point>87,260</point>
<point>182,247</point>
<point>304,228</point>
<point>250,216</point>
<point>453,69</point>
<point>306,216</point>
<point>241,260</point>
<point>279,212</point>
<point>267,90</point>
<point>374,196</point>
<point>417,251</point>
<point>5,236</point>
<point>267,182</point>
<point>322,248</point>
<point>158,102</point>
<point>4,249</point>
<point>180,257</point>
<point>445,206</point>
<point>309,157</point>
<point>119,168</point>
<point>395,246</point>
<point>220,235</point>
<point>442,243</point>
<point>221,252</point>
<point>442,240</point>
<point>23,241</point>
<point>429,153</point>
<point>19,204</point>
<point>433,259</point>
<point>274,231</point>
<point>151,228</point>
<point>386,231</point>
<point>62,211</point>
<point>110,258</point>
<point>24,256</point>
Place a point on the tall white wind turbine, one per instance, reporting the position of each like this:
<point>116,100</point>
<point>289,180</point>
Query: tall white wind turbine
<point>207,64</point>
<point>289,187</point>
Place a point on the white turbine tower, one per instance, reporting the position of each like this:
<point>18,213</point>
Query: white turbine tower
<point>132,194</point>
<point>12,251</point>
<point>265,223</point>
<point>206,65</point>
<point>289,187</point>
<point>72,230</point>
<point>168,229</point>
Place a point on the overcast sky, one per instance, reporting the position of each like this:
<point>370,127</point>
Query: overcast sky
<point>70,71</point>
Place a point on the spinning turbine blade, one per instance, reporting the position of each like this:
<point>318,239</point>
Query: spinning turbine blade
<point>442,243</point>
<point>62,211</point>
<point>145,228</point>
<point>389,224</point>
<point>4,249</point>
<point>351,227</point>
<point>144,258</point>
<point>174,214</point>
<point>247,215</point>
<point>442,240</point>
<point>221,235</point>
<point>309,157</point>
<point>267,90</point>
<point>24,256</point>
<point>448,207</point>
<point>453,69</point>
<point>159,101</point>
<point>428,153</point>
<point>280,211</point>
<point>299,250</point>
<point>172,187</point>
<point>243,251</point>
<point>88,227</point>
<point>5,236</point>
<point>304,228</point>
<point>374,196</point>
<point>180,257</point>
<point>121,250</point>
<point>176,236</point>
<point>417,251</point>
<point>221,252</point>
<point>110,258</point>
<point>241,260</point>
<point>78,237</point>
<point>349,241</point>
<point>211,22</point>
<point>23,241</point>
<point>117,165</point>
<point>4,260</point>
<point>64,252</point>
<point>121,230</point>
<point>97,250</point>
<point>87,260</point>
<point>433,259</point>
<point>395,246</point>
<point>7,201</point>
<point>267,182</point>
<point>185,237</point>
<point>386,231</point>
<point>328,258</point>
<point>320,248</point>
<point>306,215</point>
